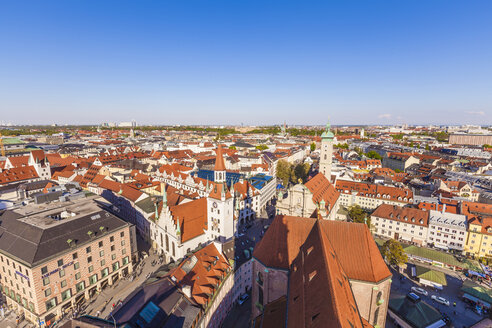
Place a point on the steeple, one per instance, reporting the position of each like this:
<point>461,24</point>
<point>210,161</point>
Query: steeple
<point>220,169</point>
<point>326,151</point>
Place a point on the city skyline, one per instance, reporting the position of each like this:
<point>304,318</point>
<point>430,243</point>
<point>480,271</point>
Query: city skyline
<point>254,63</point>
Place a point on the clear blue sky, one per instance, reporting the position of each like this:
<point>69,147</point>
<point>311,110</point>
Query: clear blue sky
<point>251,62</point>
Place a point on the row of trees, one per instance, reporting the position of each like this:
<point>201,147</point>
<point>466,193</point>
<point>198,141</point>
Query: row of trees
<point>290,173</point>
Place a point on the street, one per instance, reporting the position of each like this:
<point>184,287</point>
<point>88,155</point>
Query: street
<point>460,316</point>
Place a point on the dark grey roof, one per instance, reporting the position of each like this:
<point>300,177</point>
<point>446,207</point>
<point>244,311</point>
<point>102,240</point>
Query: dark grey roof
<point>175,310</point>
<point>33,238</point>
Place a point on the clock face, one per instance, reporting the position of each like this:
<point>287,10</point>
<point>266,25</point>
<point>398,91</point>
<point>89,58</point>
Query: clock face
<point>215,204</point>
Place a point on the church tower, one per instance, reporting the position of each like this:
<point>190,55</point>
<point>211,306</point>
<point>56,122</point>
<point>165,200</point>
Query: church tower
<point>220,169</point>
<point>325,159</point>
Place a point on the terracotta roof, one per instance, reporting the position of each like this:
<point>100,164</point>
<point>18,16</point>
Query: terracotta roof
<point>403,214</point>
<point>319,290</point>
<point>322,189</point>
<point>19,161</point>
<point>203,271</point>
<point>216,192</point>
<point>281,242</point>
<point>375,191</point>
<point>18,174</point>
<point>360,258</point>
<point>192,218</point>
<point>219,160</point>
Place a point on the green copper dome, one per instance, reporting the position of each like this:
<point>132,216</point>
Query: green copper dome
<point>327,134</point>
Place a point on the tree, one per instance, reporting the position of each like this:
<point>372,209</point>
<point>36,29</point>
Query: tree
<point>232,147</point>
<point>394,253</point>
<point>313,146</point>
<point>301,172</point>
<point>262,147</point>
<point>374,155</point>
<point>284,172</point>
<point>358,215</point>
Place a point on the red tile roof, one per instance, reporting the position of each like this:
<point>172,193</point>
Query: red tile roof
<point>322,189</point>
<point>192,218</point>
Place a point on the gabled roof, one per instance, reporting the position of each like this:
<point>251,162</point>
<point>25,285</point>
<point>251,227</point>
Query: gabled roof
<point>192,217</point>
<point>322,189</point>
<point>319,290</point>
<point>360,259</point>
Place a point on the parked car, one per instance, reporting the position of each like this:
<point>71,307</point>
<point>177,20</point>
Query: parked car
<point>440,299</point>
<point>419,290</point>
<point>243,299</point>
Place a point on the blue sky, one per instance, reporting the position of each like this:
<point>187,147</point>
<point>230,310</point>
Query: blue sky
<point>251,62</point>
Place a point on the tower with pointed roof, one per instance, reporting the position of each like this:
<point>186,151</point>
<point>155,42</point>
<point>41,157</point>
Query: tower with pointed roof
<point>325,159</point>
<point>219,169</point>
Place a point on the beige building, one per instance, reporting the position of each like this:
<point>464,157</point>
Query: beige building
<point>53,257</point>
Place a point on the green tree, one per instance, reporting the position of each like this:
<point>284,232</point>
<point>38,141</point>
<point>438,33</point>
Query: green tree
<point>301,172</point>
<point>313,146</point>
<point>394,253</point>
<point>262,147</point>
<point>232,147</point>
<point>284,172</point>
<point>374,155</point>
<point>358,215</point>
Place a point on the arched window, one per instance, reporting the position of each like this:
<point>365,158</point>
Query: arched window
<point>174,250</point>
<point>259,278</point>
<point>167,243</point>
<point>376,316</point>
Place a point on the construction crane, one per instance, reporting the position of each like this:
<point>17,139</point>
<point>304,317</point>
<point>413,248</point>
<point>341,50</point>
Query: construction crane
<point>2,148</point>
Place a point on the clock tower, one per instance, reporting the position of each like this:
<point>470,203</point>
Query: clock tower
<point>220,213</point>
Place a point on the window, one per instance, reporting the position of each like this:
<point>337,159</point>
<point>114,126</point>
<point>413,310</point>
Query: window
<point>80,286</point>
<point>259,278</point>
<point>66,294</point>
<point>47,292</point>
<point>100,244</point>
<point>123,251</point>
<point>63,284</point>
<point>77,276</point>
<point>75,256</point>
<point>113,257</point>
<point>122,243</point>
<point>91,268</point>
<point>113,248</point>
<point>62,273</point>
<point>103,262</point>
<point>122,234</point>
<point>111,239</point>
<point>93,279</point>
<point>104,272</point>
<point>101,253</point>
<point>44,270</point>
<point>116,266</point>
<point>51,304</point>
<point>125,260</point>
<point>76,266</point>
<point>89,259</point>
<point>46,281</point>
<point>60,263</point>
<point>88,249</point>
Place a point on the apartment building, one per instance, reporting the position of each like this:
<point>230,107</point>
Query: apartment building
<point>401,223</point>
<point>447,230</point>
<point>55,256</point>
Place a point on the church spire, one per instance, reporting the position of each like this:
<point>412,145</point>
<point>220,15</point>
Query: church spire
<point>220,169</point>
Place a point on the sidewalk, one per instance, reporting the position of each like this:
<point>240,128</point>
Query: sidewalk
<point>120,290</point>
